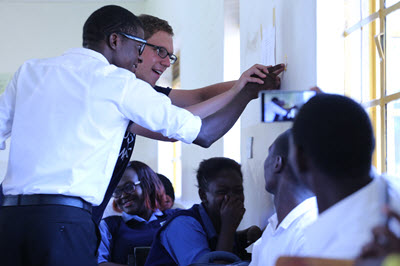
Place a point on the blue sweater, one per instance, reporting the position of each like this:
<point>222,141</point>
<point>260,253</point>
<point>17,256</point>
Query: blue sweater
<point>127,236</point>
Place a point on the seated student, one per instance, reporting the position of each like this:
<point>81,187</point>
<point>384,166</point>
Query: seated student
<point>208,226</point>
<point>295,206</point>
<point>138,196</point>
<point>331,148</point>
<point>169,199</point>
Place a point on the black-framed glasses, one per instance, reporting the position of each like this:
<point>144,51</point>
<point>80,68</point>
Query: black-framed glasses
<point>137,39</point>
<point>162,52</point>
<point>127,188</point>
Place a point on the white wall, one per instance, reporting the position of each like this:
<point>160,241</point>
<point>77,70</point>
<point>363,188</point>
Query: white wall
<point>296,38</point>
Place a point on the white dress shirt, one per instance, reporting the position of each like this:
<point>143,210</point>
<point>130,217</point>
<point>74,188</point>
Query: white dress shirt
<point>287,239</point>
<point>67,116</point>
<point>342,230</point>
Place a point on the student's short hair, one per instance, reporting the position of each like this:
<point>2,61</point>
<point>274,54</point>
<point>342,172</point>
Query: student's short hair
<point>210,168</point>
<point>152,24</point>
<point>169,189</point>
<point>336,133</point>
<point>106,20</point>
<point>152,187</point>
<point>281,144</point>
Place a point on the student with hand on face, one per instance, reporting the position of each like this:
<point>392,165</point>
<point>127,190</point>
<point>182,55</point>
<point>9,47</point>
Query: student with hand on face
<point>156,58</point>
<point>67,117</point>
<point>139,196</point>
<point>209,226</point>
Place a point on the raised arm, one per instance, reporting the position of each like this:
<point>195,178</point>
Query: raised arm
<point>185,98</point>
<point>216,103</point>
<point>216,125</point>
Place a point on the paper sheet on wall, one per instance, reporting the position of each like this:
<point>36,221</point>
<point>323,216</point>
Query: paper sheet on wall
<point>4,80</point>
<point>268,46</point>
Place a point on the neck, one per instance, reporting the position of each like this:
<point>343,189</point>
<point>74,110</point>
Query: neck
<point>102,49</point>
<point>331,189</point>
<point>146,214</point>
<point>289,195</point>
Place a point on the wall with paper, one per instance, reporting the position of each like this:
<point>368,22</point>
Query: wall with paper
<point>293,24</point>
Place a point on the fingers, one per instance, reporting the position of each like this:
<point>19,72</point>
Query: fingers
<point>277,69</point>
<point>264,69</point>
<point>316,89</point>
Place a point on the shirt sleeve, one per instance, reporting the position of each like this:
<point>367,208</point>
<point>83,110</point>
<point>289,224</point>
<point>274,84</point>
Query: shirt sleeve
<point>185,240</point>
<point>104,252</point>
<point>154,111</point>
<point>7,107</point>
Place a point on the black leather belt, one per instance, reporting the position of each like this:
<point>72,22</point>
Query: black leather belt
<point>46,199</point>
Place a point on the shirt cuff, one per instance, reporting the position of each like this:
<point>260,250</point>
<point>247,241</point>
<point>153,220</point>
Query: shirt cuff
<point>193,131</point>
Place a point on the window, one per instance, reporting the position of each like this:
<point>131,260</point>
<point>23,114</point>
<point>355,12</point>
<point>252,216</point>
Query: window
<point>370,59</point>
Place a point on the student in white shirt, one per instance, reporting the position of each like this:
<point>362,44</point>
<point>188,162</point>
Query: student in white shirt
<point>67,117</point>
<point>331,151</point>
<point>295,206</point>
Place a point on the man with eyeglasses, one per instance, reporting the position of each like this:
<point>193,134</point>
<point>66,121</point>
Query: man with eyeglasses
<point>67,116</point>
<point>156,58</point>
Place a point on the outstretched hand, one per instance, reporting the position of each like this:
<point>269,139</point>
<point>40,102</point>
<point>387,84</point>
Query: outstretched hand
<point>270,81</point>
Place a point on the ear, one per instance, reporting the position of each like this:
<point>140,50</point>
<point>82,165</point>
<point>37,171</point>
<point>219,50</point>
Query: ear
<point>203,196</point>
<point>113,40</point>
<point>278,164</point>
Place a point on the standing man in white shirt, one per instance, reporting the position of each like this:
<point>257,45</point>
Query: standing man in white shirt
<point>295,206</point>
<point>331,151</point>
<point>67,117</point>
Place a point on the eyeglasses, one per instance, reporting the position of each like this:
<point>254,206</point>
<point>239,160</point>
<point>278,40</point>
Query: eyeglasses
<point>137,39</point>
<point>162,52</point>
<point>127,188</point>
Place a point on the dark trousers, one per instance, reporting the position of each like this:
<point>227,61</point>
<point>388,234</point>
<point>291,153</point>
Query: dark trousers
<point>47,235</point>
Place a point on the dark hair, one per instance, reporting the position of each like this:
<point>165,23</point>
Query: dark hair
<point>208,170</point>
<point>336,133</point>
<point>152,24</point>
<point>169,189</point>
<point>153,189</point>
<point>281,144</point>
<point>107,20</point>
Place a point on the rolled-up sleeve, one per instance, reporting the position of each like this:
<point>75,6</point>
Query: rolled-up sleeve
<point>154,111</point>
<point>7,108</point>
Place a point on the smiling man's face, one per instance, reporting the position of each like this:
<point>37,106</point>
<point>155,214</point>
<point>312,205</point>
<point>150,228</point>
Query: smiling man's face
<point>153,65</point>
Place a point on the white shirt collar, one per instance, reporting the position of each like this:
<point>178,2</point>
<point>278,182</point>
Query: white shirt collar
<point>87,52</point>
<point>293,215</point>
<point>329,234</point>
<point>126,217</point>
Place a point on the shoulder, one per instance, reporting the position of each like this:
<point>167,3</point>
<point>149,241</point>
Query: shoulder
<point>183,223</point>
